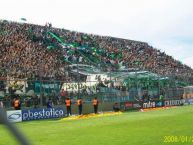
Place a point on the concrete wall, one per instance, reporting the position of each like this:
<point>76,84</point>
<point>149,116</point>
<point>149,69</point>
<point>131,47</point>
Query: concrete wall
<point>88,107</point>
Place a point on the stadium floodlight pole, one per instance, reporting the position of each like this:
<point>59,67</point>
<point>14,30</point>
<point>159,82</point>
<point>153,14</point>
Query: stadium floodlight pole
<point>19,136</point>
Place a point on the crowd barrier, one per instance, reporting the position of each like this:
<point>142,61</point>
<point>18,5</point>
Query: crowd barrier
<point>132,105</point>
<point>35,114</point>
<point>59,112</point>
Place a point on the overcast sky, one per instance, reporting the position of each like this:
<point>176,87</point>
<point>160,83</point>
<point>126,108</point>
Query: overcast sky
<point>165,24</point>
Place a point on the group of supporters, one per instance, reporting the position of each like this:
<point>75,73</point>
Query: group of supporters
<point>68,103</point>
<point>79,103</point>
<point>22,47</point>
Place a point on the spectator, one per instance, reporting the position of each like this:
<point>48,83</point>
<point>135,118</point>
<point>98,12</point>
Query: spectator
<point>95,104</point>
<point>68,104</point>
<point>17,103</point>
<point>63,94</point>
<point>79,104</point>
<point>116,107</point>
<point>50,103</point>
<point>35,101</point>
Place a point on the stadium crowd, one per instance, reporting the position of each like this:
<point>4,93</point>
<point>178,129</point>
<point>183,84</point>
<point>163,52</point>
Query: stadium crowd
<point>34,52</point>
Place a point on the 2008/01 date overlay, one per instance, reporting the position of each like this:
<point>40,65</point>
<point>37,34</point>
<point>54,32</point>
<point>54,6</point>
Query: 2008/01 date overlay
<point>178,139</point>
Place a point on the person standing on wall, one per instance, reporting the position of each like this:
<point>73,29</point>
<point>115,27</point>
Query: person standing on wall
<point>95,103</point>
<point>68,106</point>
<point>79,104</point>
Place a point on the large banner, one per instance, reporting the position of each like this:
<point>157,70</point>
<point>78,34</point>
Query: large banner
<point>127,105</point>
<point>188,101</point>
<point>18,85</point>
<point>36,114</point>
<point>73,87</point>
<point>46,87</point>
<point>177,102</point>
<point>130,105</point>
<point>14,116</point>
<point>140,105</point>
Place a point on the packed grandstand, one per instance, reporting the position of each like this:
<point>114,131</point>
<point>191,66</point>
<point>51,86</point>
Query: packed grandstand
<point>42,53</point>
<point>27,50</point>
